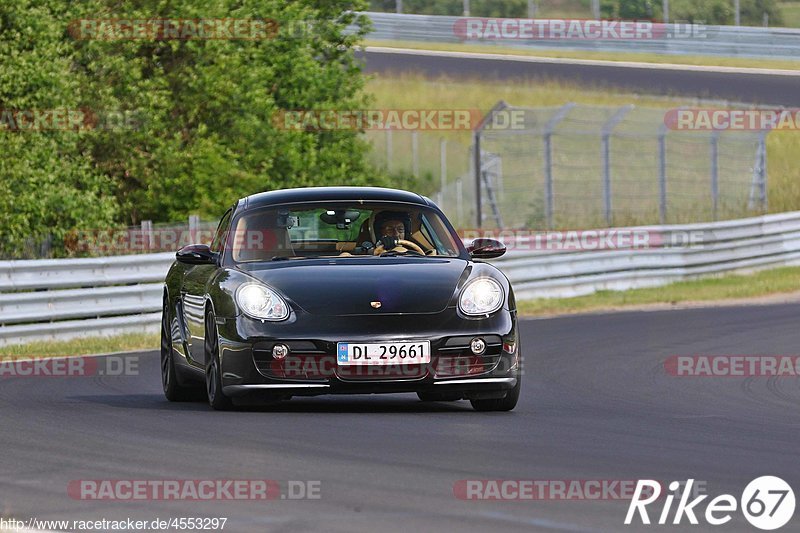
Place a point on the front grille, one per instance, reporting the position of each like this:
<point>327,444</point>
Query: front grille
<point>455,358</point>
<point>316,360</point>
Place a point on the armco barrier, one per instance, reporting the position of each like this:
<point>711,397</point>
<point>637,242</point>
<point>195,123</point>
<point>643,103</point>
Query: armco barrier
<point>728,41</point>
<point>62,299</point>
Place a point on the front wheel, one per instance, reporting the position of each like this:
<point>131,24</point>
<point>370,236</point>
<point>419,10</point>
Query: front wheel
<point>500,404</point>
<point>173,391</point>
<point>216,398</point>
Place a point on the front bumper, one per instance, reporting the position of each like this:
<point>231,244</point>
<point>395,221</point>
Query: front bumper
<point>248,366</point>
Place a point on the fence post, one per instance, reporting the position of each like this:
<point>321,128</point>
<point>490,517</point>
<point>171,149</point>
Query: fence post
<point>389,150</point>
<point>714,173</point>
<point>415,153</point>
<point>442,169</point>
<point>147,231</point>
<point>662,174</point>
<point>549,199</point>
<point>486,120</point>
<point>762,141</point>
<point>460,201</point>
<point>608,128</point>
<point>194,227</point>
<point>478,171</point>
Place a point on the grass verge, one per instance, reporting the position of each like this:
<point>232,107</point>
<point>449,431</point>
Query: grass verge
<point>82,346</point>
<point>706,61</point>
<point>729,287</point>
<point>791,13</point>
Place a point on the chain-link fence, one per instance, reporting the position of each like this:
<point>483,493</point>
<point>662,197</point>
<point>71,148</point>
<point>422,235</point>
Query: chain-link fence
<point>585,166</point>
<point>431,163</point>
<point>589,166</point>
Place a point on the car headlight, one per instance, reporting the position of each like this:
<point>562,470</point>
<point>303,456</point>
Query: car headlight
<point>261,302</point>
<point>483,296</point>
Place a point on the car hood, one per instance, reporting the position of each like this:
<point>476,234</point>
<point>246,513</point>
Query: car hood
<point>349,286</point>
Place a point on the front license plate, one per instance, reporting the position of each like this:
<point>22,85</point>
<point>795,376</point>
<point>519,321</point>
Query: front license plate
<point>384,353</point>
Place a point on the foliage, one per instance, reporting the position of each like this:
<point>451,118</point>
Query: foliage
<point>203,129</point>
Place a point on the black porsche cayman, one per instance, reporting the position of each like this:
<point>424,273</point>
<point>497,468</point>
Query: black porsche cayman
<point>340,290</point>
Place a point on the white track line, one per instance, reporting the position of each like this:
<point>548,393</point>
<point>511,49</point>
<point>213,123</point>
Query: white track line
<point>29,359</point>
<point>586,62</point>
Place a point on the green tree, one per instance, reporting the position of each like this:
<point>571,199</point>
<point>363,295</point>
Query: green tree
<point>204,132</point>
<point>209,134</point>
<point>49,184</point>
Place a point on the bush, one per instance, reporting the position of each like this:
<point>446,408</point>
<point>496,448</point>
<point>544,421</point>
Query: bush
<point>207,134</point>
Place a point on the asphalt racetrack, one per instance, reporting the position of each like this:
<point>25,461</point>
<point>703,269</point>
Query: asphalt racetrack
<point>778,88</point>
<point>596,404</point>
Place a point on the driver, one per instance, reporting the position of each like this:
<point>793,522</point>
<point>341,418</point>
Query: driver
<point>390,227</point>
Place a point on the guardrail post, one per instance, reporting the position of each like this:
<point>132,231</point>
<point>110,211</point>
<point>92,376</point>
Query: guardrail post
<point>662,174</point>
<point>549,198</point>
<point>714,173</point>
<point>608,128</point>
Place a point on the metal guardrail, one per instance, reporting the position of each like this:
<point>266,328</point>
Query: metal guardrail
<point>733,245</point>
<point>741,41</point>
<point>62,299</point>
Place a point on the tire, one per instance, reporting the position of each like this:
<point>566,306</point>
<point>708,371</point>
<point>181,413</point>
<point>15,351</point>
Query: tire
<point>173,391</point>
<point>500,404</point>
<point>438,396</point>
<point>216,398</point>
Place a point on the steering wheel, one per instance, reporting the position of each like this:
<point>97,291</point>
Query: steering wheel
<point>407,244</point>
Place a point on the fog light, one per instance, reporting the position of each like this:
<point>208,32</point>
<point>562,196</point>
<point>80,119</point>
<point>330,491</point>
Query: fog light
<point>477,346</point>
<point>280,351</point>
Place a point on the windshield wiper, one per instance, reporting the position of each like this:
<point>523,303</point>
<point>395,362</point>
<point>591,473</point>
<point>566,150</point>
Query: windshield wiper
<point>392,253</point>
<point>294,257</point>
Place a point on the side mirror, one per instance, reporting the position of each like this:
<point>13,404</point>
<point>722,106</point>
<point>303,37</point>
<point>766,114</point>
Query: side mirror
<point>196,254</point>
<point>486,249</point>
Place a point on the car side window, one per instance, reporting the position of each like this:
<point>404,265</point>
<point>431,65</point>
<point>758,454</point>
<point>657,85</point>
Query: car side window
<point>218,243</point>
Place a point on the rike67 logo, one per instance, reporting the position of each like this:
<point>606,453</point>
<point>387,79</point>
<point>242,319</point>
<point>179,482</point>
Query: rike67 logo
<point>767,503</point>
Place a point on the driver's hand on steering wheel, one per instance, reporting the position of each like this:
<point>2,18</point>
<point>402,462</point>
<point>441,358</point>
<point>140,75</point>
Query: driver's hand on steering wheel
<point>389,242</point>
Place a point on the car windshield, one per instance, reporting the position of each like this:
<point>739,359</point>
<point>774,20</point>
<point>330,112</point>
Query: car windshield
<point>340,229</point>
